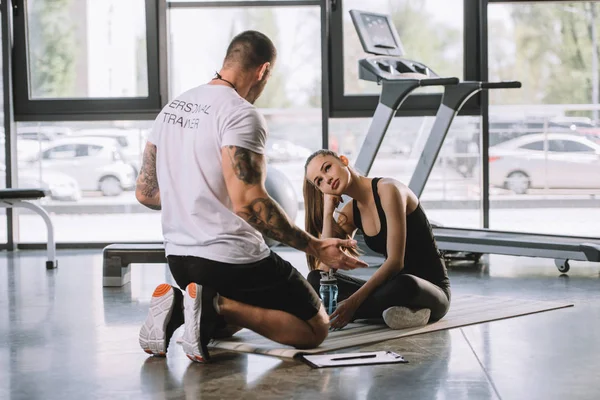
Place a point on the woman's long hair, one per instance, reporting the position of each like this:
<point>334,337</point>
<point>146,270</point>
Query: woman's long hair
<point>314,207</point>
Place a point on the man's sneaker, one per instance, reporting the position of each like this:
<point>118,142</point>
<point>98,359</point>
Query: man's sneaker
<point>164,317</point>
<point>200,321</point>
<point>403,317</point>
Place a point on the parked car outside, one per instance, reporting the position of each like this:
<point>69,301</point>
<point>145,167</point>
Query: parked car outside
<point>553,160</point>
<point>131,141</point>
<point>95,163</point>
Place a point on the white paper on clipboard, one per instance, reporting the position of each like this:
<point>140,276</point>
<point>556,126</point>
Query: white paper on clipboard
<point>353,359</point>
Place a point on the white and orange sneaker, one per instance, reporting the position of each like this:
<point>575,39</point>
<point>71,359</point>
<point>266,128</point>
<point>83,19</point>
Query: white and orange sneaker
<point>164,317</point>
<point>200,321</point>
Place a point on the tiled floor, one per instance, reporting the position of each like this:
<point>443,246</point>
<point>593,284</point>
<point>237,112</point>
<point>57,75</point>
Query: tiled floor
<point>64,336</point>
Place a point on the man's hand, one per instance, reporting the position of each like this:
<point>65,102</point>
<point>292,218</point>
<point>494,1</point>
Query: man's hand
<point>331,253</point>
<point>330,204</point>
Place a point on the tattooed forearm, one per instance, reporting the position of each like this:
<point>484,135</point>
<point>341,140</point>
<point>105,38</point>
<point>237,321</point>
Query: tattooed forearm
<point>147,181</point>
<point>247,169</point>
<point>266,216</point>
<point>263,213</point>
<point>146,187</point>
<point>152,203</point>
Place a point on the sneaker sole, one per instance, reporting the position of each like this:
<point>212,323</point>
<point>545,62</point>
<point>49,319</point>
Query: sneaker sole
<point>190,341</point>
<point>403,317</point>
<point>153,338</point>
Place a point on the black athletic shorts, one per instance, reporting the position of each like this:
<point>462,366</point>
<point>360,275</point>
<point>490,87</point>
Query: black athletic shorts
<point>271,283</point>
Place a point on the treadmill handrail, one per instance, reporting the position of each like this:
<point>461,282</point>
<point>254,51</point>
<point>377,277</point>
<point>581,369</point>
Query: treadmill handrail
<point>591,250</point>
<point>501,232</point>
<point>517,243</point>
<point>501,85</point>
<point>439,81</point>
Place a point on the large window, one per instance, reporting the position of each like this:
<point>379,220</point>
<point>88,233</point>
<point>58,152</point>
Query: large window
<point>89,169</point>
<point>296,79</point>
<point>68,56</point>
<point>545,138</point>
<point>86,57</point>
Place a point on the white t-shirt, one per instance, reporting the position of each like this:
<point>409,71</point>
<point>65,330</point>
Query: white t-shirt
<point>197,214</point>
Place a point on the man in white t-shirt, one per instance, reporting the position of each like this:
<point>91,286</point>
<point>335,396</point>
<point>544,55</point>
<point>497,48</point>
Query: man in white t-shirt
<point>204,168</point>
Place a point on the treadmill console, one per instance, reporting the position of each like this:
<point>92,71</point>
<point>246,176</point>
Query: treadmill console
<point>392,68</point>
<point>379,36</point>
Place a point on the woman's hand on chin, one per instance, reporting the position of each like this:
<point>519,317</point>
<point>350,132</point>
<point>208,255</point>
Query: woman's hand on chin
<point>330,203</point>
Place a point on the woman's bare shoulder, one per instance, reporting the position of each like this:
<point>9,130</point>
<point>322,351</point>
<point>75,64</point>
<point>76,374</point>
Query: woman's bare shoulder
<point>397,189</point>
<point>392,185</point>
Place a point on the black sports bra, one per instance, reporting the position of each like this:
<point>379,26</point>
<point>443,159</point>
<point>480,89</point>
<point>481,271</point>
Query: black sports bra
<point>378,242</point>
<point>421,255</point>
<point>420,242</point>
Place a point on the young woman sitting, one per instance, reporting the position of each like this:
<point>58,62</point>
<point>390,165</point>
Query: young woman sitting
<point>411,287</point>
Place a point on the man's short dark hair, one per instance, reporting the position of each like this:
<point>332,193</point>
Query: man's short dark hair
<point>250,49</point>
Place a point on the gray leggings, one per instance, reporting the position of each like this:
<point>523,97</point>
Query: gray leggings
<point>401,290</point>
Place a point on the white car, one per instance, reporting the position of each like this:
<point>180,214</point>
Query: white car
<point>95,163</point>
<point>131,142</point>
<point>553,160</point>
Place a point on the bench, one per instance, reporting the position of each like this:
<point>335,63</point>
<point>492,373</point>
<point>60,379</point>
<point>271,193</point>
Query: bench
<point>117,260</point>
<point>22,198</point>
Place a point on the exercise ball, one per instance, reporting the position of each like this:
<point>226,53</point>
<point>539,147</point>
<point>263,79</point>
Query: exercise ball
<point>281,190</point>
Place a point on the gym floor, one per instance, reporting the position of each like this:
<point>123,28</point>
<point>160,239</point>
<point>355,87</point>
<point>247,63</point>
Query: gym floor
<point>63,336</point>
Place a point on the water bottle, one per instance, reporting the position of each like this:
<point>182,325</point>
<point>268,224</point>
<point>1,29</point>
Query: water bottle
<point>329,292</point>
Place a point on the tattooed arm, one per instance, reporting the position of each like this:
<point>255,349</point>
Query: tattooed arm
<point>146,187</point>
<point>245,174</point>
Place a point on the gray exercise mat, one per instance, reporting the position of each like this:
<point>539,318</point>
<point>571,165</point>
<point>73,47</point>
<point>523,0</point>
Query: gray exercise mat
<point>464,310</point>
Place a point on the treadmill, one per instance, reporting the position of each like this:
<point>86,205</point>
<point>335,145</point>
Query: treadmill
<point>398,78</point>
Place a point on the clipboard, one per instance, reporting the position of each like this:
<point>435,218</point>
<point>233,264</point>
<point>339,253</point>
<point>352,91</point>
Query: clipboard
<point>353,359</point>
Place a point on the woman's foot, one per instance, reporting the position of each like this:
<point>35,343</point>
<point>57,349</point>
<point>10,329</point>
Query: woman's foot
<point>403,317</point>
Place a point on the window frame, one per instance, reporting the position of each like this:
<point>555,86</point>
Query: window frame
<point>117,108</point>
<point>349,106</point>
